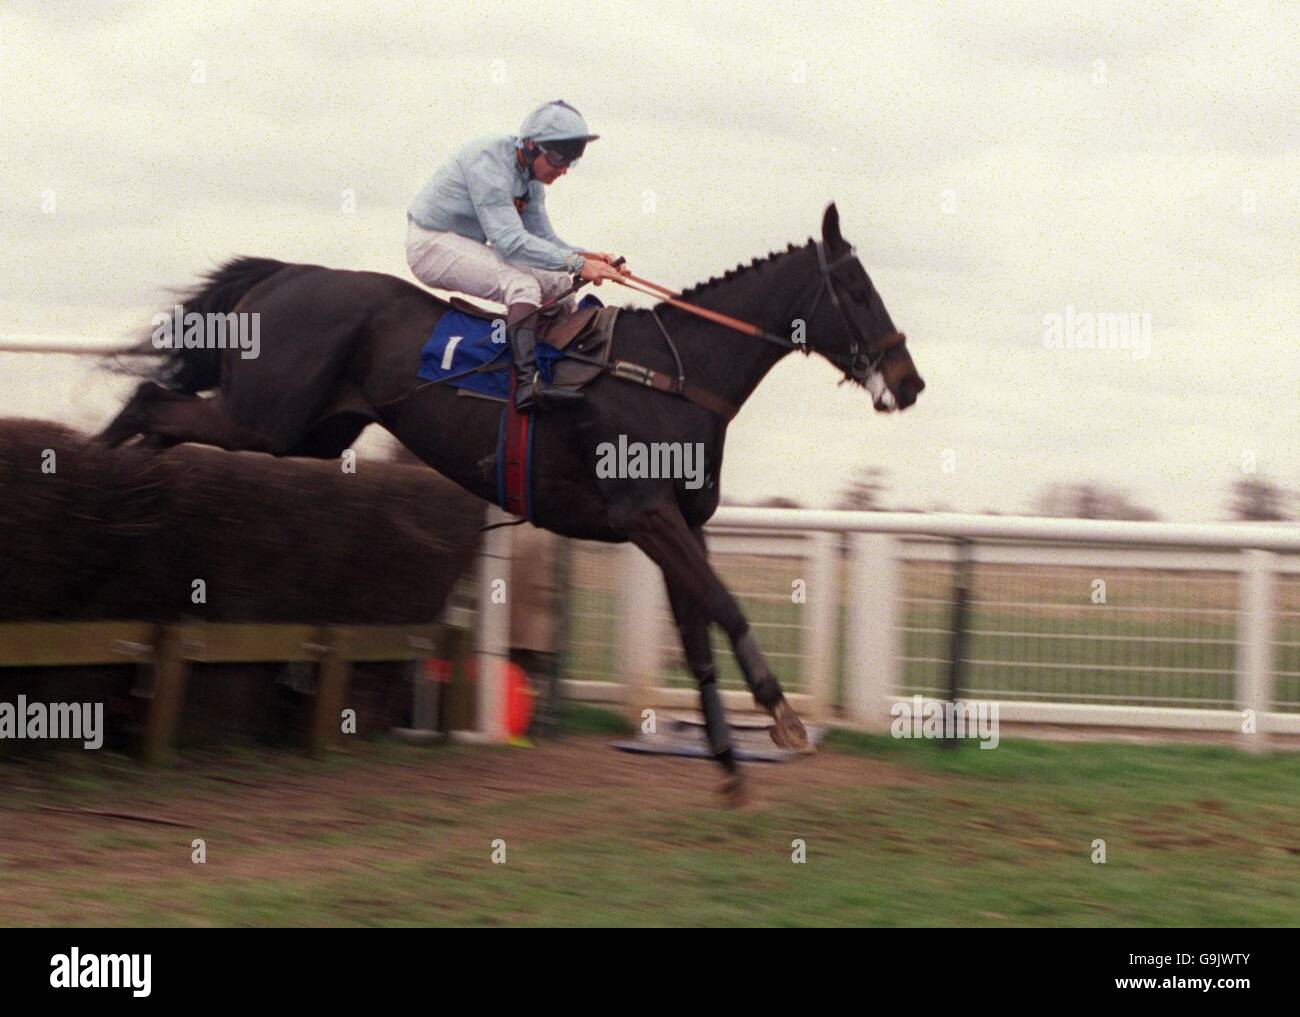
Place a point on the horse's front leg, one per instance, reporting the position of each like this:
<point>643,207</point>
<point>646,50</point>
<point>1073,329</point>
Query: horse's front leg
<point>661,532</point>
<point>693,627</point>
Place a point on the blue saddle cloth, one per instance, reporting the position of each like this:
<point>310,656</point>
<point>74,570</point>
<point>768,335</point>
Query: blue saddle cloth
<point>461,343</point>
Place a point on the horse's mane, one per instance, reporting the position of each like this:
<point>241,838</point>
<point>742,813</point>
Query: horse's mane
<point>701,288</point>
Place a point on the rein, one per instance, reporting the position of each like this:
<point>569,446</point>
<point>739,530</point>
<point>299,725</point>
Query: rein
<point>674,298</point>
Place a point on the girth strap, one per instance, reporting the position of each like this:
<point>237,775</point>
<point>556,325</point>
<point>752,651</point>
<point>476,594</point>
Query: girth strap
<point>661,382</point>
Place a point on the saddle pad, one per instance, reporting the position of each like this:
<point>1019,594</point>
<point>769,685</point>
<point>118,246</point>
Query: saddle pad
<point>461,343</point>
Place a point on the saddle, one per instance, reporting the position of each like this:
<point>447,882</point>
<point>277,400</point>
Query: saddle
<point>556,327</point>
<point>586,330</point>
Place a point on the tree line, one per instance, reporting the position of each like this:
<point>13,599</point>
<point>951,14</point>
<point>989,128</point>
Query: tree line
<point>1249,499</point>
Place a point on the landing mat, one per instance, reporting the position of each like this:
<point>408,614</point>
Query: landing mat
<point>683,736</point>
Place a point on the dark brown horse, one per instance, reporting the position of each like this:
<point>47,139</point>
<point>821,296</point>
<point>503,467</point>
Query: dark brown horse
<point>340,350</point>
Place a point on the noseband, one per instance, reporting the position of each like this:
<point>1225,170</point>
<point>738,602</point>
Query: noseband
<point>863,362</point>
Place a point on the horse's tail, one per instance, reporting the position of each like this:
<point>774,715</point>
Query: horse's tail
<point>196,370</point>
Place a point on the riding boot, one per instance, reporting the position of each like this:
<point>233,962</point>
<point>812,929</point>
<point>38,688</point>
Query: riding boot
<point>530,390</point>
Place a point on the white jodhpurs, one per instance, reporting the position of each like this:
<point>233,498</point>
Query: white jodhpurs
<point>448,261</point>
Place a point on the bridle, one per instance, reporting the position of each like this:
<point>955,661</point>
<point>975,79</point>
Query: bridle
<point>862,362</point>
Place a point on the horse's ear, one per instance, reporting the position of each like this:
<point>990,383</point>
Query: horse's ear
<point>831,228</point>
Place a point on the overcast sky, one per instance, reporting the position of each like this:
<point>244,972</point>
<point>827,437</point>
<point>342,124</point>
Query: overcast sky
<point>995,163</point>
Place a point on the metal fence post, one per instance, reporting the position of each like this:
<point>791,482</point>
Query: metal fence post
<point>492,645</point>
<point>1255,645</point>
<point>961,587</point>
<point>822,624</point>
<point>872,670</point>
<point>642,600</point>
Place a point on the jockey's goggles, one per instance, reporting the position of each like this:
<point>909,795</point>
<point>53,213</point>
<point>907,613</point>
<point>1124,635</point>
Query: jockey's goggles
<point>562,153</point>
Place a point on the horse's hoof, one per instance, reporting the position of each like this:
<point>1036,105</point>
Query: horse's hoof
<point>788,731</point>
<point>735,792</point>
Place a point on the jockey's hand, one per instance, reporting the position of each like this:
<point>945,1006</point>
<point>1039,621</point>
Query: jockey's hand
<point>594,271</point>
<point>607,258</point>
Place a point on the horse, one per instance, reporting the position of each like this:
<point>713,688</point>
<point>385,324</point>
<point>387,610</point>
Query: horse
<point>340,350</point>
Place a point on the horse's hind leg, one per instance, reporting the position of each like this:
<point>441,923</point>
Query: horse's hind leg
<point>693,628</point>
<point>163,418</point>
<point>661,532</point>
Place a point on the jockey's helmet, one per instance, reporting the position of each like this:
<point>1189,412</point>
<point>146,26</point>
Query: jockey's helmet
<point>558,130</point>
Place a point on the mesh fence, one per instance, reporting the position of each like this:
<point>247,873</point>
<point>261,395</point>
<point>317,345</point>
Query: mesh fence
<point>1104,634</point>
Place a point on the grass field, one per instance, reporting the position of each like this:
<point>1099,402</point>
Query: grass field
<point>896,833</point>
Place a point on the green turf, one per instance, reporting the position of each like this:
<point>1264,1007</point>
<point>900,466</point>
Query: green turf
<point>1194,836</point>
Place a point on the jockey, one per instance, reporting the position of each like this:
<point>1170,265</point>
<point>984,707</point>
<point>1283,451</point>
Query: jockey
<point>491,193</point>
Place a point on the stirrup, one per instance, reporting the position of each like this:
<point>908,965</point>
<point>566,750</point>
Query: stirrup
<point>525,397</point>
<point>552,395</point>
<point>535,394</point>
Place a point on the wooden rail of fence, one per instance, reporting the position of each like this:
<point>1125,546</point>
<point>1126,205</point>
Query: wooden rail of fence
<point>170,649</point>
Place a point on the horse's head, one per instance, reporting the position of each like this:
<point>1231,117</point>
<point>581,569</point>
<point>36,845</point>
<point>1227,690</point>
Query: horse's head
<point>855,331</point>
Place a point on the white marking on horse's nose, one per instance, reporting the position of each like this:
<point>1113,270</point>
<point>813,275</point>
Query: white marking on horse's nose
<point>881,397</point>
